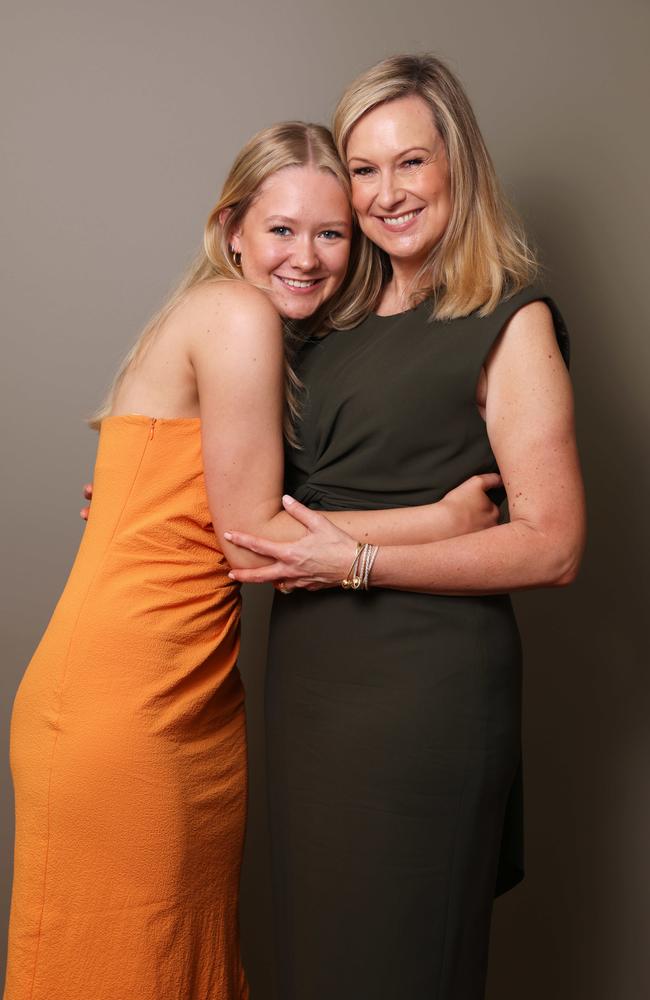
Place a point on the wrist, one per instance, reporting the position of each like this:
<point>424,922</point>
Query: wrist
<point>377,578</point>
<point>358,576</point>
<point>447,521</point>
<point>346,566</point>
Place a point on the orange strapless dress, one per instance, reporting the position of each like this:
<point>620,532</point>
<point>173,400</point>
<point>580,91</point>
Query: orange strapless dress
<point>128,747</point>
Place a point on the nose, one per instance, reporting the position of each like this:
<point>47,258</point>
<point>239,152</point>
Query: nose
<point>389,194</point>
<point>304,256</point>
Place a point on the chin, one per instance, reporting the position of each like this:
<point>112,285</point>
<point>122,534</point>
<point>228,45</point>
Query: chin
<point>299,310</point>
<point>297,313</point>
<point>411,251</point>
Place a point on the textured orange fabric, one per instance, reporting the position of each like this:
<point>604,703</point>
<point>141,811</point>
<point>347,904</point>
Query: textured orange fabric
<point>128,746</point>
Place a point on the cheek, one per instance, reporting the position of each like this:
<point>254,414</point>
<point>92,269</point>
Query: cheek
<point>360,198</point>
<point>438,189</point>
<point>264,257</point>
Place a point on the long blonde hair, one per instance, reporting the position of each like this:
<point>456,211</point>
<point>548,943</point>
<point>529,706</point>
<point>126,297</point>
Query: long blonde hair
<point>287,144</point>
<point>483,253</point>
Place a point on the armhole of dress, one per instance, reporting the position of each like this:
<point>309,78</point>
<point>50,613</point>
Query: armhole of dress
<point>512,306</point>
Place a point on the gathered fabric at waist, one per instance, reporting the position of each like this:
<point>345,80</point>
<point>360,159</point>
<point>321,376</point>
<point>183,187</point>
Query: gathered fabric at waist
<point>339,498</point>
<point>320,497</point>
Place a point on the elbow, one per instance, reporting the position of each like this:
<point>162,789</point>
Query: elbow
<point>240,558</point>
<point>566,564</point>
<point>556,554</point>
<point>566,577</point>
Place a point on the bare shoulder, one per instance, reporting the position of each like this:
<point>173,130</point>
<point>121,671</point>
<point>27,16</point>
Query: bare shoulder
<point>230,325</point>
<point>228,305</point>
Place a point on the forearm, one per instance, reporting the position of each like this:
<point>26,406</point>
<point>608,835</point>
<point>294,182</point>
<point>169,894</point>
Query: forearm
<point>513,556</point>
<point>400,526</point>
<point>396,526</point>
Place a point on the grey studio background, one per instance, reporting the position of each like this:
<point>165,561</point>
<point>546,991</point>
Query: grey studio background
<point>121,120</point>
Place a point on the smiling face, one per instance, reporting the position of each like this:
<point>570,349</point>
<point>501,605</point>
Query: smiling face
<point>295,239</point>
<point>400,176</point>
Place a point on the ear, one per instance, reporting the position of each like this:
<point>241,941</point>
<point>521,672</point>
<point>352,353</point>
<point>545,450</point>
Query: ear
<point>224,215</point>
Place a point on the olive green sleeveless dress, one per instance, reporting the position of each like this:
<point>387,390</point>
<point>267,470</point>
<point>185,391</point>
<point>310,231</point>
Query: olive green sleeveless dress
<point>393,718</point>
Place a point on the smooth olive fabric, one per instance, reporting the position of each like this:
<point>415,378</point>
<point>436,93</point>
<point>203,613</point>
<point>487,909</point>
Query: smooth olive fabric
<point>128,746</point>
<point>393,718</point>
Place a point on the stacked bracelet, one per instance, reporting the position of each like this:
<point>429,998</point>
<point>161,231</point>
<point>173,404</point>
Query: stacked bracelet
<point>358,576</point>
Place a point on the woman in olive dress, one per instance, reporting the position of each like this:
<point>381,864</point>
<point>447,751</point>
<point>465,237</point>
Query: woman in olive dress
<point>393,715</point>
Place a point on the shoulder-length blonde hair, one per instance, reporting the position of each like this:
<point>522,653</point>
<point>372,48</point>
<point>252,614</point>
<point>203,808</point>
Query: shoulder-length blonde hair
<point>287,144</point>
<point>483,254</point>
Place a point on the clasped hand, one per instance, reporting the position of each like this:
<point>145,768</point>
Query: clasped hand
<point>321,558</point>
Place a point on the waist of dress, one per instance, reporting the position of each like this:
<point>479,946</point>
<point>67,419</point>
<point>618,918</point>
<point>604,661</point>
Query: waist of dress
<point>322,497</point>
<point>325,497</point>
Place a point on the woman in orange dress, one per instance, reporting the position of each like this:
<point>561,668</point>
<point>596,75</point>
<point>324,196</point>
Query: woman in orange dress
<point>128,744</point>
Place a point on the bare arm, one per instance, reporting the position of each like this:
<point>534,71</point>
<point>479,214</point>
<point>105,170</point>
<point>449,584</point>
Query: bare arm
<point>529,414</point>
<point>463,510</point>
<point>530,422</point>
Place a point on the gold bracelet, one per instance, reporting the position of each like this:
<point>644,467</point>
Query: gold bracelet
<point>358,577</point>
<point>350,581</point>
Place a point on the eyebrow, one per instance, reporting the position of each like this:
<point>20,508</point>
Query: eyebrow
<point>405,152</point>
<point>286,218</point>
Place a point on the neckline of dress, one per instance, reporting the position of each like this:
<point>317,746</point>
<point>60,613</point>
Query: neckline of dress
<point>404,312</point>
<point>315,339</point>
<point>145,418</point>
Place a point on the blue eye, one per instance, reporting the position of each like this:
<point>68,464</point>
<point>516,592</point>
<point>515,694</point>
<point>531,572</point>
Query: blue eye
<point>416,161</point>
<point>361,171</point>
<point>280,230</point>
<point>331,234</point>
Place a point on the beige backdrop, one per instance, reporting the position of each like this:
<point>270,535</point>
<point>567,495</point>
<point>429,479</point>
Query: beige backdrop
<point>121,120</point>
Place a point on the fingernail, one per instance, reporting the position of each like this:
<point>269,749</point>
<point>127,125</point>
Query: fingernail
<point>287,500</point>
<point>231,575</point>
<point>228,535</point>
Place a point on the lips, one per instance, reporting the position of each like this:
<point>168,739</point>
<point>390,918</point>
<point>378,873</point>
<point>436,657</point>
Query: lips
<point>299,284</point>
<point>391,220</point>
<point>398,223</point>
